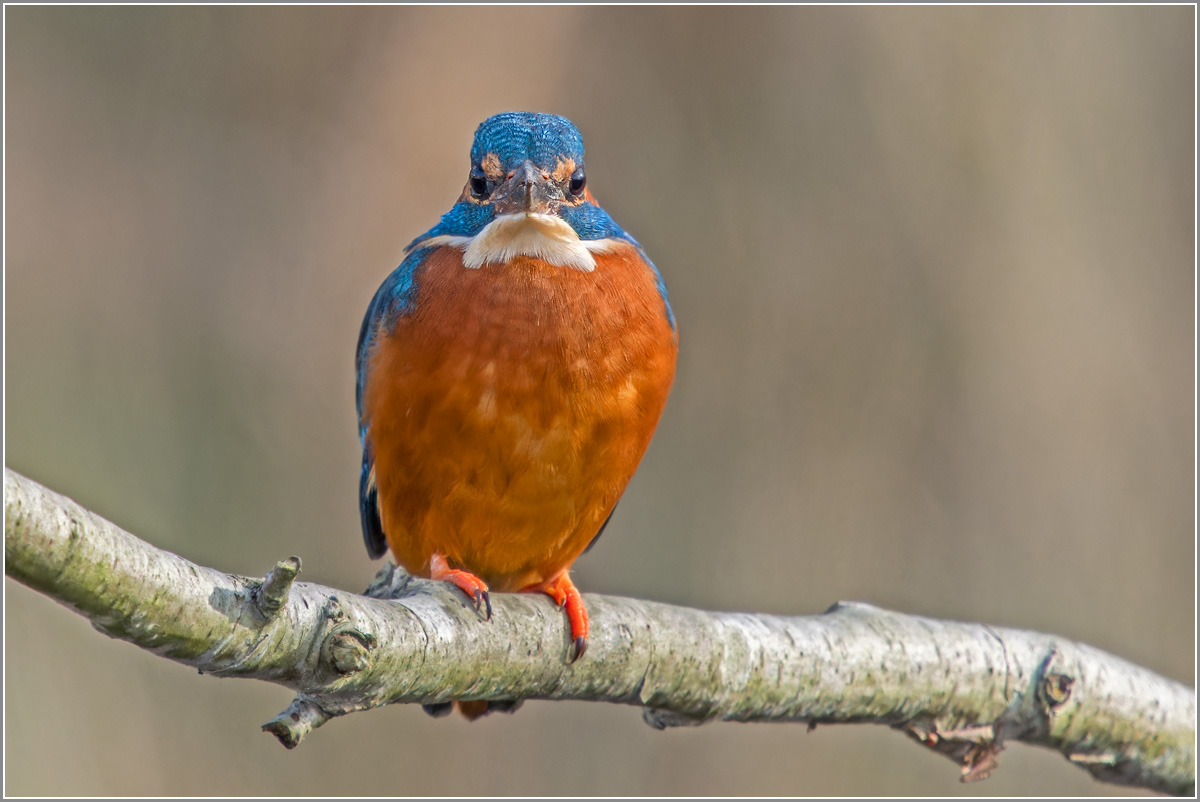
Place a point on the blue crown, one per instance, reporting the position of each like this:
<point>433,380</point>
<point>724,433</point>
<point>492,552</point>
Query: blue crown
<point>515,136</point>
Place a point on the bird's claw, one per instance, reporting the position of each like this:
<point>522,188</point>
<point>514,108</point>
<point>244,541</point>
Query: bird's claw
<point>475,588</point>
<point>580,648</point>
<point>567,597</point>
<point>482,597</point>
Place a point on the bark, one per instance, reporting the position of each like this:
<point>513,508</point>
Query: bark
<point>963,689</point>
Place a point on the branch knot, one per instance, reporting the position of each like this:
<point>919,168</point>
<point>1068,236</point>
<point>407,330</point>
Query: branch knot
<point>272,594</point>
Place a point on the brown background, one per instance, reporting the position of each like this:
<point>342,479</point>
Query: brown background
<point>934,276</point>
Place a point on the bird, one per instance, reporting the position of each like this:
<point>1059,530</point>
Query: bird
<point>511,372</point>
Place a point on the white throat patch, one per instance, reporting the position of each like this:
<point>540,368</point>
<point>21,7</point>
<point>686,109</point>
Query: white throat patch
<point>542,236</point>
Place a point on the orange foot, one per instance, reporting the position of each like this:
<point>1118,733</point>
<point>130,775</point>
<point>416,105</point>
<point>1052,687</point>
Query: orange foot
<point>565,594</point>
<point>475,588</point>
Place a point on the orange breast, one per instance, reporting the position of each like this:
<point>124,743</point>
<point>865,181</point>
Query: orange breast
<point>510,409</point>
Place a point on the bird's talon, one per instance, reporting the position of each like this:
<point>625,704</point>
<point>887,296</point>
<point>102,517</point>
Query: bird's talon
<point>475,588</point>
<point>567,597</point>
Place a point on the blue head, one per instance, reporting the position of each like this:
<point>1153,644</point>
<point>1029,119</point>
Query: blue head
<point>526,162</point>
<point>507,140</point>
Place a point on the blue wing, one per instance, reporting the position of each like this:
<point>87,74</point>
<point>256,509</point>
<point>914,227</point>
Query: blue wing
<point>394,298</point>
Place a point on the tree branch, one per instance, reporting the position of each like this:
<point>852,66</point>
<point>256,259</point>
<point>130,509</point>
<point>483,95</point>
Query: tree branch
<point>959,688</point>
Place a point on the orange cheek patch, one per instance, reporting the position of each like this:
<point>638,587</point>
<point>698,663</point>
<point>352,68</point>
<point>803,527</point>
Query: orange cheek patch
<point>563,169</point>
<point>491,167</point>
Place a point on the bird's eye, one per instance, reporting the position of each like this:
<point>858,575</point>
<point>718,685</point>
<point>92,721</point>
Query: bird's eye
<point>578,182</point>
<point>478,182</point>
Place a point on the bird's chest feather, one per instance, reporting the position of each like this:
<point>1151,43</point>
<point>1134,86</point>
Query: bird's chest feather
<point>515,398</point>
<point>547,344</point>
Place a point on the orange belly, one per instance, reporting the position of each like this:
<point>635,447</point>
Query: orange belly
<point>510,409</point>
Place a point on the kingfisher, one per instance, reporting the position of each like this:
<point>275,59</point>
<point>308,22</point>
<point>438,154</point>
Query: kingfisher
<point>511,372</point>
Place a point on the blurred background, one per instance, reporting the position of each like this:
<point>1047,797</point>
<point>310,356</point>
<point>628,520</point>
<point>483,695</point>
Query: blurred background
<point>933,270</point>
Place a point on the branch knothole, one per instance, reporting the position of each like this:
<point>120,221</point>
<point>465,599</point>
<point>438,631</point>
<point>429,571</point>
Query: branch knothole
<point>349,651</point>
<point>1056,689</point>
<point>333,612</point>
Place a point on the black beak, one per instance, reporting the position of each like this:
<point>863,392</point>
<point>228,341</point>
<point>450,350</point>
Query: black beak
<point>527,190</point>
